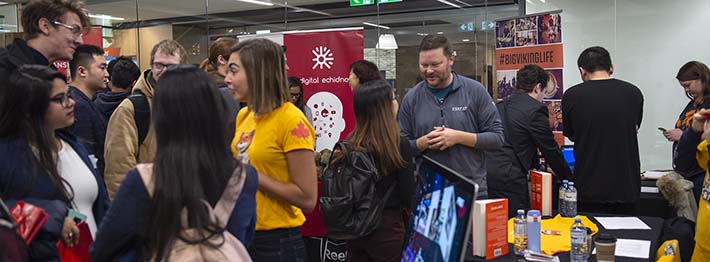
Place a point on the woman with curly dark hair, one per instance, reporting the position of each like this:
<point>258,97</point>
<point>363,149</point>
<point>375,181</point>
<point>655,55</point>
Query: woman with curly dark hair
<point>362,71</point>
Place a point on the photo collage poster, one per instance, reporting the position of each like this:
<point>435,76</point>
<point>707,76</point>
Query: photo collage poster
<point>535,39</point>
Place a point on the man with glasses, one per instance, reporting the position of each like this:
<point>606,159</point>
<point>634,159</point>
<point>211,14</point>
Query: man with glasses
<point>53,30</point>
<point>89,75</point>
<point>449,117</point>
<point>129,137</point>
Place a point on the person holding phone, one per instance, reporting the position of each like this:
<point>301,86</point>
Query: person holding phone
<point>694,77</point>
<point>43,164</point>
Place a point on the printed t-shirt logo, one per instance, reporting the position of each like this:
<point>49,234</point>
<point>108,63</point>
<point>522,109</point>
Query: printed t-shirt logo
<point>300,131</point>
<point>244,142</point>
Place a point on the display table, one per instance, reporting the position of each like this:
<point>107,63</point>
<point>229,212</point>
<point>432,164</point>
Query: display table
<point>652,203</point>
<point>653,235</point>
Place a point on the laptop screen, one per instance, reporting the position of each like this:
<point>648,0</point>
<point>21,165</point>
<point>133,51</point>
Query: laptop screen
<point>441,218</point>
<point>568,154</point>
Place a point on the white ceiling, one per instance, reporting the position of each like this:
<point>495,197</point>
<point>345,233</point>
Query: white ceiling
<point>406,35</point>
<point>159,9</point>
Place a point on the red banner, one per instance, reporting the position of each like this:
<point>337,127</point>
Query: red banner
<point>63,67</point>
<point>322,61</point>
<point>94,37</point>
<point>546,56</point>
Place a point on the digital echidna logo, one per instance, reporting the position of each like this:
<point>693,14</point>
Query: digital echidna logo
<point>323,57</point>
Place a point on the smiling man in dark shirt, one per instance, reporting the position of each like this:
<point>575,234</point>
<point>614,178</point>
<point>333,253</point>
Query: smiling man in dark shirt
<point>449,117</point>
<point>52,29</point>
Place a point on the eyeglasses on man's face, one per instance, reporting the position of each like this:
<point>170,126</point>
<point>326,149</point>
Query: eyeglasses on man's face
<point>157,66</point>
<point>63,99</point>
<point>76,30</point>
<point>295,95</point>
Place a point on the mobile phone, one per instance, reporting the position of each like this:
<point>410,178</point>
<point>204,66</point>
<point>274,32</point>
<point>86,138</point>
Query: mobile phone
<point>662,129</point>
<point>78,217</point>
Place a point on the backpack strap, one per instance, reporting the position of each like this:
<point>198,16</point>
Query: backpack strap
<point>141,114</point>
<point>224,207</point>
<point>344,150</point>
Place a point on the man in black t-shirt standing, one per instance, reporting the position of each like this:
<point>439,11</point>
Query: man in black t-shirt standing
<point>602,116</point>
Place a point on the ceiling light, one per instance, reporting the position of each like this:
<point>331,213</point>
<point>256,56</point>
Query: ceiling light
<point>466,4</point>
<point>422,34</point>
<point>466,40</point>
<point>257,2</point>
<point>106,17</point>
<point>301,9</point>
<point>449,3</point>
<point>375,25</point>
<point>386,41</point>
<point>3,3</point>
<point>439,33</point>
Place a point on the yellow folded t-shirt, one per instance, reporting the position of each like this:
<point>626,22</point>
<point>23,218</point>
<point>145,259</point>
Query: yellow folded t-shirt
<point>552,244</point>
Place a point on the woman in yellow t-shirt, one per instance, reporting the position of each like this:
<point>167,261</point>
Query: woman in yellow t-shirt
<point>275,137</point>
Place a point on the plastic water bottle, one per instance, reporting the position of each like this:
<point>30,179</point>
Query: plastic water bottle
<point>520,233</point>
<point>534,230</point>
<point>562,206</point>
<point>571,200</point>
<point>578,237</point>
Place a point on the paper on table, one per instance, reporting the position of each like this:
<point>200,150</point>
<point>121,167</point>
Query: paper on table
<point>613,223</point>
<point>654,175</point>
<point>631,248</point>
<point>649,189</point>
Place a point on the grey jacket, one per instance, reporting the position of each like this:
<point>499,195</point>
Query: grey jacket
<point>467,107</point>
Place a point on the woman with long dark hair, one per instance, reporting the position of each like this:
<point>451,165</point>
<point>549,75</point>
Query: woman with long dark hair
<point>192,165</point>
<point>276,138</point>
<point>216,67</point>
<point>41,163</point>
<point>377,133</point>
<point>694,77</point>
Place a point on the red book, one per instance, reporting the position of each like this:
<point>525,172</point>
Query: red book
<point>490,228</point>
<point>29,219</point>
<point>79,252</point>
<point>541,192</point>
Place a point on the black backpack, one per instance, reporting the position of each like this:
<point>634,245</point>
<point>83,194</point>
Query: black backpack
<point>349,204</point>
<point>683,230</point>
<point>141,114</point>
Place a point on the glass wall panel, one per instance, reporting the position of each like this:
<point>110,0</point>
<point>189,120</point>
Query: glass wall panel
<point>648,41</point>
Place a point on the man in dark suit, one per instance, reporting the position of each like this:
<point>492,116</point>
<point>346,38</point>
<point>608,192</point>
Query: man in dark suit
<point>526,127</point>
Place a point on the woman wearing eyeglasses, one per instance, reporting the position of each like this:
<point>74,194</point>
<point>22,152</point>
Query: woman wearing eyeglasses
<point>295,89</point>
<point>41,163</point>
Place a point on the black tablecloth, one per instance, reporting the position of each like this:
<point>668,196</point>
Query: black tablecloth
<point>653,235</point>
<point>654,204</point>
